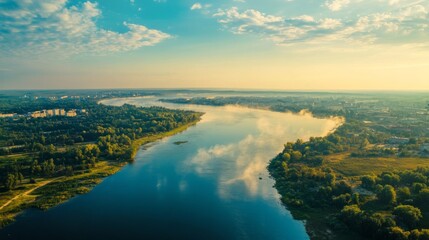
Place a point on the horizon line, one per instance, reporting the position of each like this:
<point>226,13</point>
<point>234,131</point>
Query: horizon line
<point>231,90</point>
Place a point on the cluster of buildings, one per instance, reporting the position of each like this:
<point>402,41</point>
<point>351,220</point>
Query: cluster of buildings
<point>47,113</point>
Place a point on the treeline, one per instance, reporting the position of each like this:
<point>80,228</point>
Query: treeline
<point>31,134</point>
<point>106,132</point>
<point>385,114</point>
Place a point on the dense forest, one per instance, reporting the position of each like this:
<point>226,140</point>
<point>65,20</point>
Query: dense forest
<point>56,146</point>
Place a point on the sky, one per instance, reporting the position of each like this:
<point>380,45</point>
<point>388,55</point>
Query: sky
<point>244,44</point>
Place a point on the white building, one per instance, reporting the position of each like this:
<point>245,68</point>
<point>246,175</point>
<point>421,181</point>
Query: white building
<point>71,113</point>
<point>50,113</point>
<point>7,115</point>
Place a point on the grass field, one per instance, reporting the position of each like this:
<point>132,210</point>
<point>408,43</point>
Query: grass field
<point>351,166</point>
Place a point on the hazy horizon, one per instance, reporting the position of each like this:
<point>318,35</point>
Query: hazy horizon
<point>256,90</point>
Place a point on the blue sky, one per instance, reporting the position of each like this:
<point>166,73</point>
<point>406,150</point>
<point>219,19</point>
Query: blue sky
<point>276,44</point>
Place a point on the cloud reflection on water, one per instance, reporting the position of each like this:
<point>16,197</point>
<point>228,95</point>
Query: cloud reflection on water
<point>244,163</point>
<point>240,167</point>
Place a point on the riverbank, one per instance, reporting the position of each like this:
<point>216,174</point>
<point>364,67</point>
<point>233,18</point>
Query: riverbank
<point>46,193</point>
<point>318,188</point>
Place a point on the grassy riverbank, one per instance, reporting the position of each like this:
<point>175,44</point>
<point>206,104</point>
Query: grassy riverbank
<point>46,193</point>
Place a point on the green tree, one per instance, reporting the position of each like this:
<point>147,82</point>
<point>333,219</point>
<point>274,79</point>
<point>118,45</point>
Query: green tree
<point>296,156</point>
<point>419,235</point>
<point>286,157</point>
<point>423,196</point>
<point>351,215</point>
<point>387,195</point>
<point>403,193</point>
<point>408,215</point>
<point>331,178</point>
<point>397,233</point>
<point>10,181</point>
<point>369,181</point>
<point>342,187</point>
<point>342,200</point>
<point>417,187</point>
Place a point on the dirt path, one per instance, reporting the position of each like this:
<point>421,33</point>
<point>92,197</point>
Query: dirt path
<point>41,184</point>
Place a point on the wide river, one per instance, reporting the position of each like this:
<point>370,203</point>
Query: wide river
<point>214,186</point>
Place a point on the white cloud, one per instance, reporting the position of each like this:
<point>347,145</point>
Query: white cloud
<point>336,5</point>
<point>329,23</point>
<point>377,27</point>
<point>196,6</point>
<point>274,28</point>
<point>50,26</point>
<point>305,18</point>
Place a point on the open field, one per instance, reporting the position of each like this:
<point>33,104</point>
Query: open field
<point>356,166</point>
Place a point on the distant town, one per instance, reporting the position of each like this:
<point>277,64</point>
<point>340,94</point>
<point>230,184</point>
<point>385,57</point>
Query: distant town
<point>46,113</point>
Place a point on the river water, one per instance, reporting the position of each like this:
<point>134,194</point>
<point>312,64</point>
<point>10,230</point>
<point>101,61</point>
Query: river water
<point>213,186</point>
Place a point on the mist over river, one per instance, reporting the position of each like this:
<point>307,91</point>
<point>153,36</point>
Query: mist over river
<point>214,185</point>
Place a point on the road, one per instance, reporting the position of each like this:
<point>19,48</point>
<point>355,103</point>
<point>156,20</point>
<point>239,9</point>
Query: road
<point>41,184</point>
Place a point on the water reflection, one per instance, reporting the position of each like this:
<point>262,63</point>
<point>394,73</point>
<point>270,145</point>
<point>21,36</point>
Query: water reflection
<point>240,167</point>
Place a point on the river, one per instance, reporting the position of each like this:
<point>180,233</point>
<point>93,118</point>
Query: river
<point>214,185</point>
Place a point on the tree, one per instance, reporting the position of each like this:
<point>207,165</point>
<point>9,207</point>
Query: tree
<point>408,215</point>
<point>36,169</point>
<point>342,187</point>
<point>10,181</point>
<point>423,196</point>
<point>296,156</point>
<point>390,178</point>
<point>396,233</point>
<point>403,193</point>
<point>356,198</point>
<point>331,178</point>
<point>342,200</point>
<point>417,187</point>
<point>284,166</point>
<point>387,195</point>
<point>374,225</point>
<point>368,181</point>
<point>351,214</point>
<point>48,167</point>
<point>19,177</point>
<point>419,235</point>
<point>286,157</point>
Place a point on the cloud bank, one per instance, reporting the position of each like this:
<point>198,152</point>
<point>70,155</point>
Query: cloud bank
<point>53,26</point>
<point>399,23</point>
